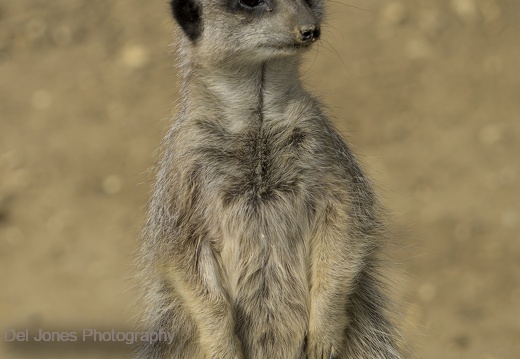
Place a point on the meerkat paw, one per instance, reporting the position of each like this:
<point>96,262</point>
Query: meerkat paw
<point>321,348</point>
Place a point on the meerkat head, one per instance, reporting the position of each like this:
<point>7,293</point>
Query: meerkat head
<point>247,30</point>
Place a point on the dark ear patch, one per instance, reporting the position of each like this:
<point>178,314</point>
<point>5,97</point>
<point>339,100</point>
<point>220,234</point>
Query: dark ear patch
<point>188,15</point>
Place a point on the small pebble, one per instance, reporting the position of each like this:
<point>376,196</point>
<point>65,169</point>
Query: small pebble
<point>41,100</point>
<point>490,134</point>
<point>62,35</point>
<point>112,184</point>
<point>56,224</point>
<point>491,11</point>
<point>465,9</point>
<point>35,29</point>
<point>395,13</point>
<point>493,65</point>
<point>510,219</point>
<point>431,23</point>
<point>418,49</point>
<point>135,56</point>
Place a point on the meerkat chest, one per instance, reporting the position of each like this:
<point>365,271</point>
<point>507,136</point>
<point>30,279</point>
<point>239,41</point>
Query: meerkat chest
<point>260,186</point>
<point>262,166</point>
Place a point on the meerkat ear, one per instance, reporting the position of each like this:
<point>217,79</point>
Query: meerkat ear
<point>188,14</point>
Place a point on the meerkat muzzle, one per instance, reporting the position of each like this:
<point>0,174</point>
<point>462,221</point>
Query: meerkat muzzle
<point>308,33</point>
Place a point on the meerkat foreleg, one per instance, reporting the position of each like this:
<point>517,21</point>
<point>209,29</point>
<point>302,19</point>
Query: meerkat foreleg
<point>335,261</point>
<point>194,275</point>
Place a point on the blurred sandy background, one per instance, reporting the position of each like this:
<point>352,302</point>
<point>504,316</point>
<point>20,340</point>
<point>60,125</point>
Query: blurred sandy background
<point>427,93</point>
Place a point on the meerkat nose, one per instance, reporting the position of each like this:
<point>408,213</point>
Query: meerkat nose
<point>309,33</point>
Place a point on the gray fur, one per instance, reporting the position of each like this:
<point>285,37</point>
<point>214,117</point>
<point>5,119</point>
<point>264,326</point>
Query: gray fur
<point>263,231</point>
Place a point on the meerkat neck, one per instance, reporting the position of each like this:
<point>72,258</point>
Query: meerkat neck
<point>240,94</point>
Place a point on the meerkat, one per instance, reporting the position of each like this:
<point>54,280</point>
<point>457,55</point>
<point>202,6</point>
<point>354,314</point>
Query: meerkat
<point>263,231</point>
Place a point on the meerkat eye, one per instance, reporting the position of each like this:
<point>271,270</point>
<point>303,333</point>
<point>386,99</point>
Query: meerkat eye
<point>251,3</point>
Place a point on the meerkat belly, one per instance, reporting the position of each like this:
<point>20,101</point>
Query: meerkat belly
<point>264,258</point>
<point>264,244</point>
<point>265,226</point>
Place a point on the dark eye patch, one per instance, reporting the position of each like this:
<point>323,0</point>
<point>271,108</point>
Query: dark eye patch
<point>188,14</point>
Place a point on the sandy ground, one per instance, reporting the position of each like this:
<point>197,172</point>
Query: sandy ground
<point>427,93</point>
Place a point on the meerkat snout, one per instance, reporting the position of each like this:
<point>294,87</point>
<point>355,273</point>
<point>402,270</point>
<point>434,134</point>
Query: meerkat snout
<point>308,33</point>
<point>308,26</point>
